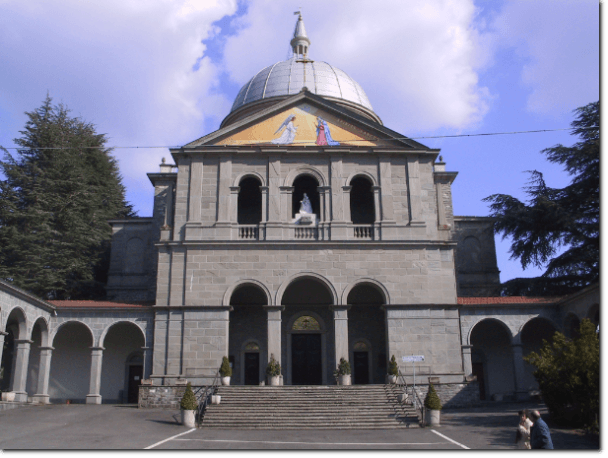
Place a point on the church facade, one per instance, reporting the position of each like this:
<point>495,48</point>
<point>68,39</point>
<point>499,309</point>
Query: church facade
<point>305,230</point>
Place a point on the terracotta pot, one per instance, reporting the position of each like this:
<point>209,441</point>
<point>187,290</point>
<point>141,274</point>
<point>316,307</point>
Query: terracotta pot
<point>188,418</point>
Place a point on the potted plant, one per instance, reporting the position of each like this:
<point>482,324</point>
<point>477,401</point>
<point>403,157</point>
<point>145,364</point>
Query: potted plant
<point>188,407</point>
<point>393,370</point>
<point>432,403</point>
<point>342,373</point>
<point>273,371</point>
<point>225,371</point>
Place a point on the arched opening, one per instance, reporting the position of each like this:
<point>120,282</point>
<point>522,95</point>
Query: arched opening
<point>532,335</point>
<point>362,201</point>
<point>122,368</point>
<point>71,363</point>
<point>306,301</point>
<point>249,201</point>
<point>15,327</point>
<point>492,358</point>
<point>305,184</point>
<point>367,323</point>
<point>248,324</point>
<point>572,326</point>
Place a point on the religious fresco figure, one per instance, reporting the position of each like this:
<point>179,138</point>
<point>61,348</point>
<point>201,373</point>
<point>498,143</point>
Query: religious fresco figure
<point>323,134</point>
<point>289,134</point>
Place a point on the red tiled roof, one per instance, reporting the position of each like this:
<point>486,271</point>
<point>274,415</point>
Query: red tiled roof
<point>506,300</point>
<point>97,304</point>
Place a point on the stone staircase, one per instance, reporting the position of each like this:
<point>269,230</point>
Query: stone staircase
<point>310,407</point>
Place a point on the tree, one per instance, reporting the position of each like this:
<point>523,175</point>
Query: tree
<point>568,375</point>
<point>557,219</point>
<point>57,195</point>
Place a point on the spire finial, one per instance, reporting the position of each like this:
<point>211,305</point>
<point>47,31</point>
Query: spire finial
<point>300,41</point>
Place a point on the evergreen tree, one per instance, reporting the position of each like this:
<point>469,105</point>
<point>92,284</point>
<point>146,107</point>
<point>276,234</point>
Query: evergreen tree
<point>556,219</point>
<point>57,195</point>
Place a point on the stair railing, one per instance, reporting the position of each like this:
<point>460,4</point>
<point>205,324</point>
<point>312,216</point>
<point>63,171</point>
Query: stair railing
<point>203,397</point>
<point>411,391</point>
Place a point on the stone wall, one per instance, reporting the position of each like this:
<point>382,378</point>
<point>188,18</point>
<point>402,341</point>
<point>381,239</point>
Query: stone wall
<point>453,395</point>
<point>161,397</point>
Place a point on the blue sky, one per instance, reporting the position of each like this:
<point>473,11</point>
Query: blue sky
<point>162,73</point>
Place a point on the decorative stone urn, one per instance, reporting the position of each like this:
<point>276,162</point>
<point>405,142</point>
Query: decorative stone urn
<point>432,417</point>
<point>188,418</point>
<point>226,381</point>
<point>344,379</point>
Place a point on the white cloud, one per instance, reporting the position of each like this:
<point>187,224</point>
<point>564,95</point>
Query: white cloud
<point>417,61</point>
<point>560,41</point>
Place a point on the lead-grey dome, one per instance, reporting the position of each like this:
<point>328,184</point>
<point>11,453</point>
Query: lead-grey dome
<point>287,78</point>
<point>290,76</point>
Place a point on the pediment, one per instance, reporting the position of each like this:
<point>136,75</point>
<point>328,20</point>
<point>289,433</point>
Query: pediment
<point>306,120</point>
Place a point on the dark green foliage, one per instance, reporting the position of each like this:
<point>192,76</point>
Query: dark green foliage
<point>188,401</point>
<point>568,375</point>
<point>556,219</point>
<point>393,369</point>
<point>432,401</point>
<point>54,207</point>
<point>343,368</point>
<point>225,369</point>
<point>273,369</point>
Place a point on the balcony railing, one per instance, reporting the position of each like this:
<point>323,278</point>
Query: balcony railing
<point>365,232</point>
<point>249,232</point>
<point>306,233</point>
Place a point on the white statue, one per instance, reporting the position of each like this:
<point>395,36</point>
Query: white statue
<point>305,206</point>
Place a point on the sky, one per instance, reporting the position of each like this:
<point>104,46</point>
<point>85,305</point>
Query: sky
<point>154,74</point>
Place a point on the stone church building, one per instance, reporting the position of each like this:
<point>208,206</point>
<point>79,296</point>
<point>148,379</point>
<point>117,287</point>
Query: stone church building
<point>302,228</point>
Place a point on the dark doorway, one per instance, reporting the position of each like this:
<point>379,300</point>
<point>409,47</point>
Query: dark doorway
<point>249,201</point>
<point>252,368</point>
<point>478,372</point>
<point>135,375</point>
<point>361,201</point>
<point>306,359</point>
<point>361,367</point>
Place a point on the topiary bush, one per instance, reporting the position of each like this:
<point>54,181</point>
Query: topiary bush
<point>393,368</point>
<point>343,368</point>
<point>432,401</point>
<point>274,368</point>
<point>225,369</point>
<point>188,401</point>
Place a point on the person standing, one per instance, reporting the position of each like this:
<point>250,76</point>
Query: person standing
<point>522,438</point>
<point>540,437</point>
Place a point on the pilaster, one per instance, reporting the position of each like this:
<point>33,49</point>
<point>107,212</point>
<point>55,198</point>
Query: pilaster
<point>95,380</point>
<point>22,359</point>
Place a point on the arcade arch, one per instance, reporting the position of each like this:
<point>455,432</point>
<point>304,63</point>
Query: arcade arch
<point>532,334</point>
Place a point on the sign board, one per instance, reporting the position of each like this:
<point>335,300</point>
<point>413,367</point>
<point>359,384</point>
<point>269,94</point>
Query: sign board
<point>413,359</point>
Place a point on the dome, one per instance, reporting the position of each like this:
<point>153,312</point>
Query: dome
<point>289,77</point>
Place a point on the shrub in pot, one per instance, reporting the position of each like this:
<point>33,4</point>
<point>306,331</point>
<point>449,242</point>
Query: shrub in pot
<point>225,371</point>
<point>342,373</point>
<point>432,403</point>
<point>273,371</point>
<point>188,407</point>
<point>393,370</point>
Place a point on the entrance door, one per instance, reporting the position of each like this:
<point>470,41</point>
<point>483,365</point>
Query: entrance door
<point>306,359</point>
<point>361,364</point>
<point>135,375</point>
<point>478,371</point>
<point>252,368</point>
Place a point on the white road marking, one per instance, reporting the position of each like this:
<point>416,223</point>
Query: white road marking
<point>451,440</point>
<point>315,443</point>
<point>171,438</point>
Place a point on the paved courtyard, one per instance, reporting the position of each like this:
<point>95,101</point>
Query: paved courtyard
<point>91,427</point>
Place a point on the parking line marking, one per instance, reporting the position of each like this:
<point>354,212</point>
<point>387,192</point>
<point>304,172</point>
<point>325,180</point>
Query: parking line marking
<point>313,443</point>
<point>171,438</point>
<point>451,440</point>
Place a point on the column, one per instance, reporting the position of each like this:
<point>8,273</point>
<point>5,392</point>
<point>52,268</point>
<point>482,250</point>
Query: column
<point>414,192</point>
<point>377,212</point>
<point>147,369</point>
<point>519,371</point>
<point>2,334</point>
<point>196,191</point>
<point>274,331</point>
<point>286,207</point>
<point>274,224</point>
<point>42,391</point>
<point>223,191</point>
<point>22,359</point>
<point>441,218</point>
<point>467,365</point>
<point>264,221</point>
<point>341,332</point>
<point>346,203</point>
<point>233,211</point>
<point>384,171</point>
<point>95,381</point>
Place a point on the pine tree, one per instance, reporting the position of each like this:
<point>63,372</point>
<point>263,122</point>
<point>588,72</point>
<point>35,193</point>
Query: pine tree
<point>556,219</point>
<point>57,195</point>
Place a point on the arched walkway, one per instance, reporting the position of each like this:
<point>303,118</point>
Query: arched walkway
<point>532,335</point>
<point>15,357</point>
